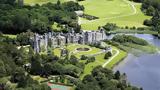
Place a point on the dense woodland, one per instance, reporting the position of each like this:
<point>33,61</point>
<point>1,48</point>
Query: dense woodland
<point>152,8</point>
<point>104,79</point>
<point>16,19</point>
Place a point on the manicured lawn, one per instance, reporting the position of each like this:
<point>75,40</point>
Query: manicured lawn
<point>72,49</point>
<point>89,67</point>
<point>117,59</point>
<point>106,9</point>
<point>100,61</point>
<point>55,27</point>
<point>99,58</point>
<point>38,78</point>
<point>10,35</point>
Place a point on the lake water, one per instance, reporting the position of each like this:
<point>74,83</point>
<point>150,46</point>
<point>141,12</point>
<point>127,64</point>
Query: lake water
<point>143,71</point>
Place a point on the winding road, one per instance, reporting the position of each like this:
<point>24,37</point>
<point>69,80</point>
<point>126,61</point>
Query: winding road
<point>126,1</point>
<point>109,60</point>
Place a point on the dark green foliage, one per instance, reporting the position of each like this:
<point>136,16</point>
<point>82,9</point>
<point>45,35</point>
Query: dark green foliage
<point>25,38</point>
<point>37,18</point>
<point>9,57</point>
<point>3,71</point>
<point>129,39</point>
<point>12,2</point>
<point>136,0</point>
<point>72,6</point>
<point>89,17</point>
<point>107,55</point>
<point>147,22</point>
<point>150,5</point>
<point>103,79</point>
<point>117,75</point>
<point>83,57</point>
<point>110,27</point>
<point>152,8</point>
<point>90,60</point>
<point>73,59</point>
<point>36,67</point>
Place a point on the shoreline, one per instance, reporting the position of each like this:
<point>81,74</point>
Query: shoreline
<point>119,61</point>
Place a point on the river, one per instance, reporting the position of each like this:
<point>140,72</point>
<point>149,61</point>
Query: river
<point>144,70</point>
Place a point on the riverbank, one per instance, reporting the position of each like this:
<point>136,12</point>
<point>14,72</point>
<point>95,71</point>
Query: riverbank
<point>143,70</point>
<point>129,31</point>
<point>119,57</point>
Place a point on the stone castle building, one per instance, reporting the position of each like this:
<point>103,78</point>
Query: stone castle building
<point>53,40</point>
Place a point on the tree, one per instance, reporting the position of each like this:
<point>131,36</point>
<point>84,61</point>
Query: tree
<point>58,5</point>
<point>110,27</point>
<point>88,78</point>
<point>48,68</point>
<point>73,60</point>
<point>90,59</point>
<point>18,75</point>
<point>107,55</point>
<point>21,22</point>
<point>83,57</point>
<point>11,2</point>
<point>24,38</point>
<point>117,75</point>
<point>2,69</point>
<point>147,22</point>
<point>36,67</point>
<point>31,52</point>
<point>150,11</point>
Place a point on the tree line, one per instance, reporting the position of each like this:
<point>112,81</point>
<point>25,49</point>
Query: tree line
<point>104,79</point>
<point>129,39</point>
<point>152,8</point>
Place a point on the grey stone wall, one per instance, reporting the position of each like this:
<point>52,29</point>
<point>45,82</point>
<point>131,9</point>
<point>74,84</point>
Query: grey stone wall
<point>53,40</point>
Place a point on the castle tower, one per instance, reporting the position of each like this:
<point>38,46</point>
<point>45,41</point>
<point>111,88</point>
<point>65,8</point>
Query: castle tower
<point>36,43</point>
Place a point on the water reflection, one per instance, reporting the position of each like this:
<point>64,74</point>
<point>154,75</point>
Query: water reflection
<point>143,71</point>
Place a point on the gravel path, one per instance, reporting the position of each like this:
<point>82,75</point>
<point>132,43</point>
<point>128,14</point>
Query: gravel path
<point>108,61</point>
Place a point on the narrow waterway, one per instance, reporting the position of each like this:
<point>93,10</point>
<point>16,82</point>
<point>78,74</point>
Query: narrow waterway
<point>143,71</point>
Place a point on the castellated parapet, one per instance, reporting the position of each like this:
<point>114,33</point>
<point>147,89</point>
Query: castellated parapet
<point>53,40</point>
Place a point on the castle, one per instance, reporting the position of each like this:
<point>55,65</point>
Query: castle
<point>53,39</point>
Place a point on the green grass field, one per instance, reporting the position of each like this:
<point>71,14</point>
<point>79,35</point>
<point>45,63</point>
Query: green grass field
<point>10,35</point>
<point>120,12</point>
<point>72,48</point>
<point>99,58</point>
<point>113,11</point>
<point>117,59</point>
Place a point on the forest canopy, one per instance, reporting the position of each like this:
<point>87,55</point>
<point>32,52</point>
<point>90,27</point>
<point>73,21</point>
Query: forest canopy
<point>16,19</point>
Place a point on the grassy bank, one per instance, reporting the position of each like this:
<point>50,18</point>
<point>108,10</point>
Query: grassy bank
<point>100,61</point>
<point>10,35</point>
<point>133,31</point>
<point>117,59</point>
